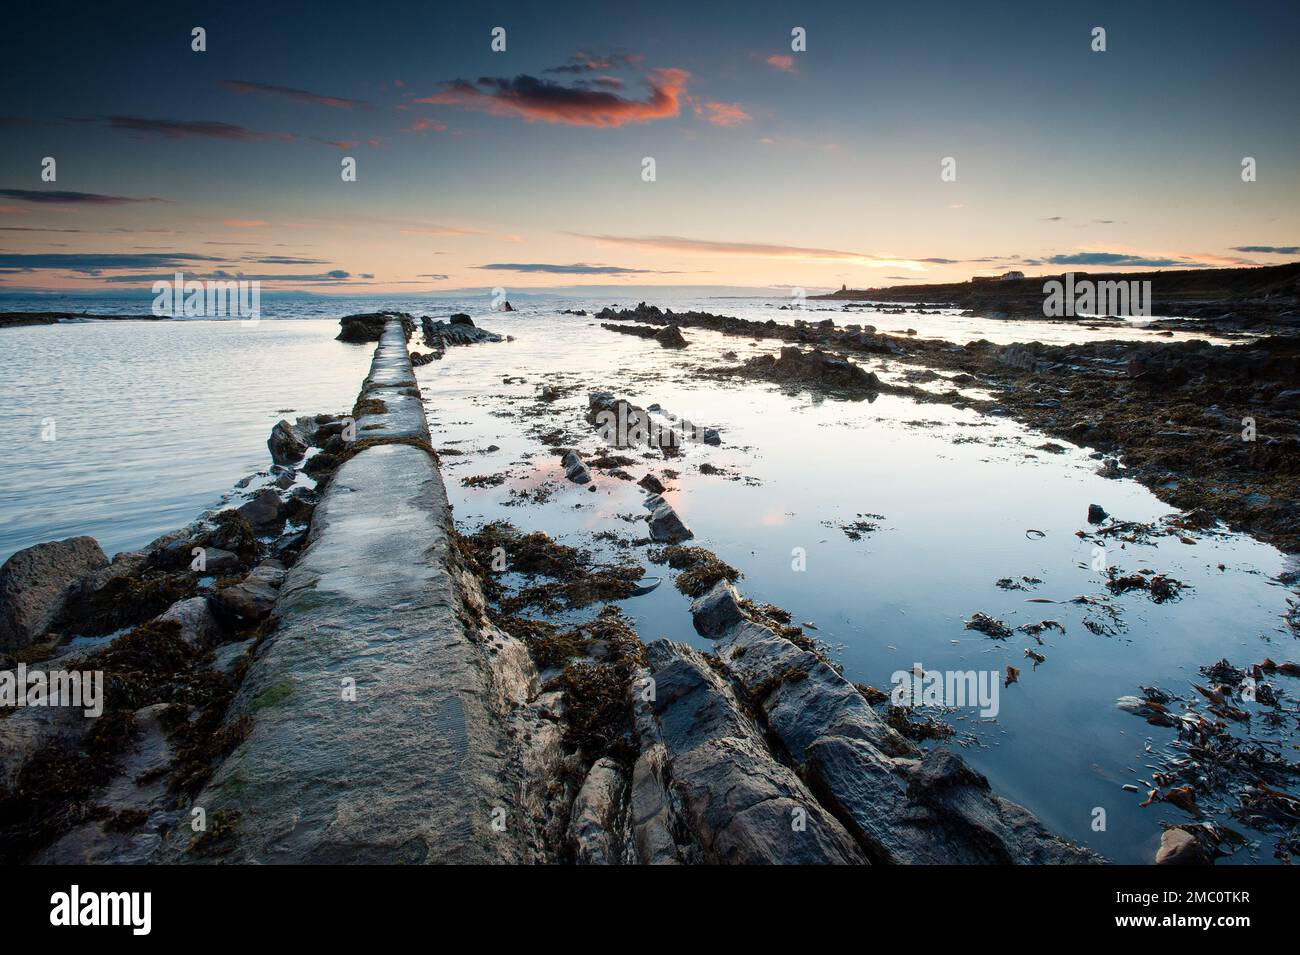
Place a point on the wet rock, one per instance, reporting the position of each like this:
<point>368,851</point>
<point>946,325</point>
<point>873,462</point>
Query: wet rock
<point>264,511</point>
<point>285,444</point>
<point>651,484</point>
<point>34,585</point>
<point>252,599</point>
<point>671,337</point>
<point>596,821</point>
<point>711,436</point>
<point>717,611</point>
<point>666,527</point>
<point>1180,847</point>
<point>198,625</point>
<point>813,368</point>
<point>574,469</point>
<point>370,327</point>
<point>1096,514</point>
<point>738,803</point>
<point>218,561</point>
<point>460,330</point>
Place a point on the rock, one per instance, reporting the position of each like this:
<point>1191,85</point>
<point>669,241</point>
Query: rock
<point>667,527</point>
<point>574,469</point>
<point>218,561</point>
<point>717,611</point>
<point>228,657</point>
<point>34,586</point>
<point>252,599</point>
<point>460,318</point>
<point>671,337</point>
<point>370,327</point>
<point>461,330</point>
<point>1096,514</point>
<point>595,821</point>
<point>711,436</point>
<point>199,627</point>
<point>264,511</point>
<point>739,804</point>
<point>1180,847</point>
<point>285,445</point>
<point>507,307</point>
<point>29,729</point>
<point>651,484</point>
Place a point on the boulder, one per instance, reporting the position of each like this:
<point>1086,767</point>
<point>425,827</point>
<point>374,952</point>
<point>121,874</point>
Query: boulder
<point>671,337</point>
<point>284,443</point>
<point>1096,514</point>
<point>666,527</point>
<point>651,484</point>
<point>711,436</point>
<point>717,611</point>
<point>1180,847</point>
<point>199,627</point>
<point>264,511</point>
<point>34,584</point>
<point>574,469</point>
<point>252,599</point>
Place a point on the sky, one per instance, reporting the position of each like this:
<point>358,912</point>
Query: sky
<point>525,168</point>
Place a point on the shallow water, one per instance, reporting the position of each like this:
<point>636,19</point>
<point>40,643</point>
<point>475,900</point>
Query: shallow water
<point>155,422</point>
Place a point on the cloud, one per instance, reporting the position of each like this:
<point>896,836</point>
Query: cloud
<point>672,243</point>
<point>338,102</point>
<point>244,223</point>
<point>61,197</point>
<point>285,260</point>
<point>1270,249</point>
<point>781,61</point>
<point>185,129</point>
<point>92,263</point>
<point>583,62</point>
<point>424,125</point>
<point>540,100</point>
<point>1114,258</point>
<point>350,143</point>
<point>578,268</point>
<point>721,114</point>
<point>433,275</point>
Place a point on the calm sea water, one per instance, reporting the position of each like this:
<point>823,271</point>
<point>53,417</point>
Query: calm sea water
<point>155,422</point>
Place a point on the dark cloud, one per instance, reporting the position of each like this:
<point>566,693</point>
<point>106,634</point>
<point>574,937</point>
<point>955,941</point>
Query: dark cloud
<point>93,263</point>
<point>1270,249</point>
<point>1113,258</point>
<point>578,268</point>
<point>305,96</point>
<point>583,62</point>
<point>532,99</point>
<point>285,260</point>
<point>185,129</point>
<point>62,197</point>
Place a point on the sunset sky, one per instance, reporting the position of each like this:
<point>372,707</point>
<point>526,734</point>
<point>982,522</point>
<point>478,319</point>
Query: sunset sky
<point>523,168</point>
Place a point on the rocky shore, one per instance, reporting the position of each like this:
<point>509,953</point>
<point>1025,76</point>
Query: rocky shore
<point>330,672</point>
<point>1260,301</point>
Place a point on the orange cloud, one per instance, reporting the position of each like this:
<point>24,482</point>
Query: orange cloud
<point>781,61</point>
<point>721,114</point>
<point>539,100</point>
<point>244,223</point>
<point>422,125</point>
